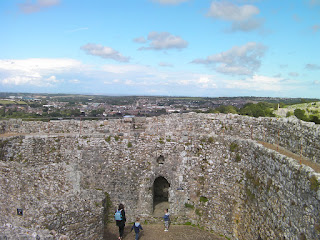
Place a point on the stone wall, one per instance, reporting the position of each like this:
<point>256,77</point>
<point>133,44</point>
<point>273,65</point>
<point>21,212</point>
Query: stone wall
<point>219,178</point>
<point>42,182</point>
<point>295,135</point>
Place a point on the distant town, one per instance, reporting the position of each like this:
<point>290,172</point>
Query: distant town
<point>60,106</point>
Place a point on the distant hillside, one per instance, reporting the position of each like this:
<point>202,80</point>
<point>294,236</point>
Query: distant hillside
<point>304,111</point>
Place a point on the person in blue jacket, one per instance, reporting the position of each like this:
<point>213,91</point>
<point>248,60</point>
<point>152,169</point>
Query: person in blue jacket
<point>137,227</point>
<point>166,219</point>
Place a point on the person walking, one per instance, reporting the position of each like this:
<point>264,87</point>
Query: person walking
<point>137,227</point>
<point>166,219</point>
<point>120,217</point>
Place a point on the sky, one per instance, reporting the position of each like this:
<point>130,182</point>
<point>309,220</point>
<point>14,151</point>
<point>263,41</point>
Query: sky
<point>206,48</point>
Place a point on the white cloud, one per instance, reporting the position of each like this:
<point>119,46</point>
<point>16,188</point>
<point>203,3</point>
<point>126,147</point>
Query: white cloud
<point>279,75</point>
<point>206,82</point>
<point>140,40</point>
<point>316,82</point>
<point>147,76</point>
<point>76,81</point>
<point>35,71</point>
<point>315,2</point>
<point>296,18</point>
<point>294,74</point>
<point>315,28</point>
<point>240,60</point>
<point>283,65</point>
<point>231,12</point>
<point>247,25</point>
<point>257,83</point>
<point>242,17</point>
<point>164,64</point>
<point>311,66</point>
<point>121,69</point>
<point>77,29</point>
<point>164,41</point>
<point>104,52</point>
<point>169,2</point>
<point>140,78</point>
<point>30,7</point>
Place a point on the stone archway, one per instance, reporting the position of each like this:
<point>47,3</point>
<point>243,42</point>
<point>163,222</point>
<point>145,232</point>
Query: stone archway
<point>160,196</point>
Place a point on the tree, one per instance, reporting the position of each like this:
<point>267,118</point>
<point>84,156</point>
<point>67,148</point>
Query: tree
<point>315,119</point>
<point>300,114</point>
<point>226,109</point>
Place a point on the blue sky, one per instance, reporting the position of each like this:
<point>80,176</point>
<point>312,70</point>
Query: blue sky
<point>161,47</point>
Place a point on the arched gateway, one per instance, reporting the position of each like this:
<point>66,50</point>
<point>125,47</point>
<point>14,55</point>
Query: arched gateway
<point>160,196</point>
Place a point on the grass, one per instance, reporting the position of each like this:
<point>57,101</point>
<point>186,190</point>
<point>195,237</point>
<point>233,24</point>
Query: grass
<point>233,147</point>
<point>314,184</point>
<point>312,108</point>
<point>187,205</point>
<point>198,212</point>
<point>238,157</point>
<point>8,102</point>
<point>203,199</point>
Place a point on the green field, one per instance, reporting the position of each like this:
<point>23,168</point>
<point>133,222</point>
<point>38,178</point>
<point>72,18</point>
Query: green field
<point>8,102</point>
<point>312,108</point>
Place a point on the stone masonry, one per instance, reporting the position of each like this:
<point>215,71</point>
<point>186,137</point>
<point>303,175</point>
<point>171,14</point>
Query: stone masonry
<point>68,176</point>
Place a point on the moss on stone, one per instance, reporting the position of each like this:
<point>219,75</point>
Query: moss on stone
<point>187,205</point>
<point>314,184</point>
<point>203,199</point>
<point>238,157</point>
<point>233,147</point>
<point>198,212</point>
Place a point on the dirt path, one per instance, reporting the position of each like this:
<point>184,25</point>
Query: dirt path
<point>159,209</point>
<point>298,158</point>
<point>156,232</point>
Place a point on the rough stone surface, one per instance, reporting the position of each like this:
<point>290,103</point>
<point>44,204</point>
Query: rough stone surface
<point>219,176</point>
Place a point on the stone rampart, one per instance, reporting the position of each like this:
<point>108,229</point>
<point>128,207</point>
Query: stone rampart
<point>220,177</point>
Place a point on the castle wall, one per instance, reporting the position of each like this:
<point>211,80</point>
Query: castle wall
<point>293,134</point>
<point>219,178</point>
<point>39,179</point>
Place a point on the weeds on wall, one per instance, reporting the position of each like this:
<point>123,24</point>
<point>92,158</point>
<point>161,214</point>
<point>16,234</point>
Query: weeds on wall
<point>108,139</point>
<point>233,147</point>
<point>198,212</point>
<point>238,157</point>
<point>187,205</point>
<point>203,199</point>
<point>314,184</point>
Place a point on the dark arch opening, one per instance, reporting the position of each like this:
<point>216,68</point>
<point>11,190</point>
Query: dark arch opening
<point>160,195</point>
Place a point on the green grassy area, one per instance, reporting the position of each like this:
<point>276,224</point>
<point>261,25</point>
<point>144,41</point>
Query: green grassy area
<point>8,102</point>
<point>309,112</point>
<point>312,108</point>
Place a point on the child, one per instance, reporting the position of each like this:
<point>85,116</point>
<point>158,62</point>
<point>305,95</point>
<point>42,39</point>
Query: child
<point>137,226</point>
<point>166,218</point>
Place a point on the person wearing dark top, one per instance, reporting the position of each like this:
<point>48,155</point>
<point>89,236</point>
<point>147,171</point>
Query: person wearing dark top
<point>121,223</point>
<point>137,227</point>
